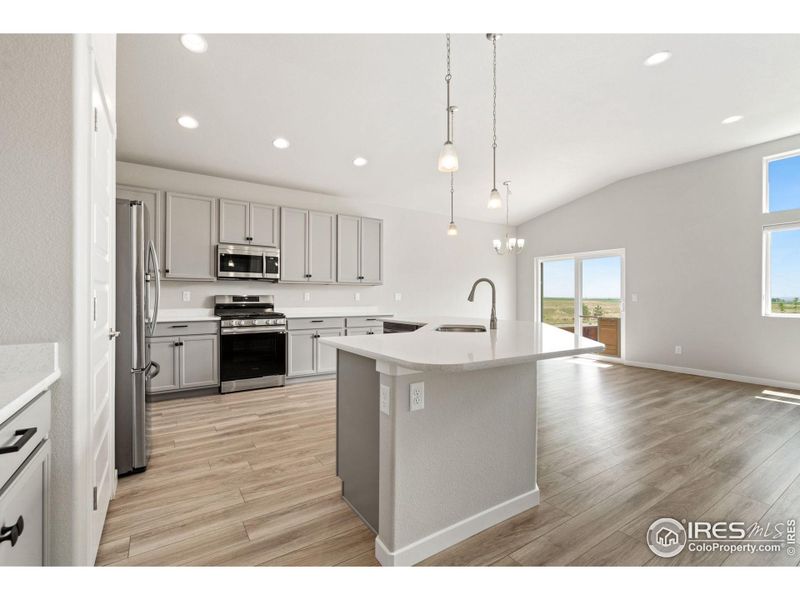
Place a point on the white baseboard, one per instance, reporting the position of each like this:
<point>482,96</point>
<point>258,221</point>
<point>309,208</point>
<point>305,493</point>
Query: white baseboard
<point>716,375</point>
<point>457,532</point>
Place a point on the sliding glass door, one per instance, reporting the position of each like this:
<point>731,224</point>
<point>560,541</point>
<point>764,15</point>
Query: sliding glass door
<point>584,293</point>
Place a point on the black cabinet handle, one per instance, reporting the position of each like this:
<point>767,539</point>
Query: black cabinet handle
<point>178,326</point>
<point>11,534</point>
<point>317,320</point>
<point>179,343</point>
<point>26,434</point>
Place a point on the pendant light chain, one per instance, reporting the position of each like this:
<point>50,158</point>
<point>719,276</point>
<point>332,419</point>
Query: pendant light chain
<point>451,197</point>
<point>494,113</point>
<point>447,79</point>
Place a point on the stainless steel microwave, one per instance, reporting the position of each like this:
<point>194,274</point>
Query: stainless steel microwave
<point>248,262</point>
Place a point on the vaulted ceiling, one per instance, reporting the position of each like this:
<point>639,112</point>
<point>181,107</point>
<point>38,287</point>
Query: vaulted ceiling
<point>575,112</point>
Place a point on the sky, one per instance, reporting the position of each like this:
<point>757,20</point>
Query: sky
<point>784,194</point>
<point>601,278</point>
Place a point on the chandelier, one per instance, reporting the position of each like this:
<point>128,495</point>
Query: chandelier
<point>512,245</point>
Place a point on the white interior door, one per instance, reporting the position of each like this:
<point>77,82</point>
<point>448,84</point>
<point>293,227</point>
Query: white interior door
<point>101,406</point>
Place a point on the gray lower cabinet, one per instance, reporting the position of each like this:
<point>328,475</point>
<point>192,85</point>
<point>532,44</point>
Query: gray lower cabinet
<point>25,485</point>
<point>308,246</point>
<point>307,356</point>
<point>190,237</point>
<point>359,250</point>
<point>185,362</point>
<point>248,223</point>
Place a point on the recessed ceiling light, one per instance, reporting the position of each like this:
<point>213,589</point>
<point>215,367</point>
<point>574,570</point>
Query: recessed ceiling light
<point>188,122</point>
<point>281,143</point>
<point>657,58</point>
<point>732,119</point>
<point>359,161</point>
<point>194,42</point>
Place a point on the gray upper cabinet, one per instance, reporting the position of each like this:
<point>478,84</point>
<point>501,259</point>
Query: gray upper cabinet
<point>360,250</point>
<point>294,244</point>
<point>308,246</point>
<point>234,222</point>
<point>247,223</point>
<point>191,236</point>
<point>321,247</point>
<point>264,229</point>
<point>349,240</point>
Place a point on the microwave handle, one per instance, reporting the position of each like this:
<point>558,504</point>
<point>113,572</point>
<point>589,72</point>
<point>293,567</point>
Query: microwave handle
<point>264,266</point>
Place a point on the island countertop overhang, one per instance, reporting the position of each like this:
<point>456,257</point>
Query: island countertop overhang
<point>512,343</point>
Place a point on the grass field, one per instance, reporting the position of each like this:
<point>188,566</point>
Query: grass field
<point>561,311</point>
<point>786,306</point>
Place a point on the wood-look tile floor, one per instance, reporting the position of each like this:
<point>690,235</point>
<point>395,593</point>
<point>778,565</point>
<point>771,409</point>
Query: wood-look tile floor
<point>249,478</point>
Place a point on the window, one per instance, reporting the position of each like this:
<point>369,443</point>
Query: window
<point>781,233</point>
<point>782,270</point>
<point>782,182</point>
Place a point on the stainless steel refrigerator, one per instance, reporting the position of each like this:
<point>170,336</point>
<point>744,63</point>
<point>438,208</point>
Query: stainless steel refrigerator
<point>137,311</point>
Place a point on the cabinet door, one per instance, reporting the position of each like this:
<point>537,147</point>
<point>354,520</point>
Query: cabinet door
<point>165,352</point>
<point>347,249</point>
<point>371,250</point>
<point>301,353</point>
<point>234,222</point>
<point>26,497</point>
<point>263,225</point>
<point>322,247</point>
<point>191,237</point>
<point>199,362</point>
<point>358,331</point>
<point>153,202</point>
<point>326,356</point>
<point>294,244</point>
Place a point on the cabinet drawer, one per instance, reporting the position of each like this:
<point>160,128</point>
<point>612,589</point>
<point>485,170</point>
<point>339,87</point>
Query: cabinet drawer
<point>23,501</point>
<point>35,415</point>
<point>365,322</point>
<point>329,323</point>
<point>186,328</point>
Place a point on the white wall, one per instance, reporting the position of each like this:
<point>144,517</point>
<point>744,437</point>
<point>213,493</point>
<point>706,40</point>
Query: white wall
<point>36,221</point>
<point>692,235</point>
<point>432,271</point>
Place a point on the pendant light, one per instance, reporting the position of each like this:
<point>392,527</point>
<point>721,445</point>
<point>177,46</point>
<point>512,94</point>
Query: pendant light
<point>495,201</point>
<point>448,158</point>
<point>451,229</point>
<point>512,245</point>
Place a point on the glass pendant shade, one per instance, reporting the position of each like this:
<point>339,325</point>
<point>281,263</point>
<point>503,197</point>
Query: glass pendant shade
<point>448,159</point>
<point>496,244</point>
<point>495,201</point>
<point>452,229</point>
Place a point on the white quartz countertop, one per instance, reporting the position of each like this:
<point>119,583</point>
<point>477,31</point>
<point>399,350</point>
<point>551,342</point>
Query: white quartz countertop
<point>513,342</point>
<point>302,312</point>
<point>173,315</point>
<point>26,370</point>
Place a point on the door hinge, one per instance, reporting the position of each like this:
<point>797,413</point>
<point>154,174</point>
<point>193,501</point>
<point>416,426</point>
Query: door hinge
<point>95,119</point>
<point>94,498</point>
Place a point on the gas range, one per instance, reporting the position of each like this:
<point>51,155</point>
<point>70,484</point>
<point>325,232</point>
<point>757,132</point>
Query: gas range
<point>252,343</point>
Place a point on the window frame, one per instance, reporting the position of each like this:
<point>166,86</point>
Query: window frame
<point>766,284</point>
<point>765,181</point>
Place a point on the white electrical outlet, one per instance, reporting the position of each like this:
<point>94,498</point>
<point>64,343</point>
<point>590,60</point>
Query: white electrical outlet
<point>398,296</point>
<point>678,350</point>
<point>357,296</point>
<point>307,296</point>
<point>416,396</point>
<point>187,296</point>
<point>634,297</point>
<point>385,400</point>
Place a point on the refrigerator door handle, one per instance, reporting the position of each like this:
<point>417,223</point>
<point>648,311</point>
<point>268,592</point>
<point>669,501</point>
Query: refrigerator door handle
<point>152,257</point>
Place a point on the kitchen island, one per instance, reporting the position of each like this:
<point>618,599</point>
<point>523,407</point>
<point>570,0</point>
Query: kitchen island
<point>436,428</point>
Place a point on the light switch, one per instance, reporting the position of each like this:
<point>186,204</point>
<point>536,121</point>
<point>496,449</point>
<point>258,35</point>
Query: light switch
<point>357,296</point>
<point>307,296</point>
<point>398,296</point>
<point>416,396</point>
<point>678,350</point>
<point>385,400</point>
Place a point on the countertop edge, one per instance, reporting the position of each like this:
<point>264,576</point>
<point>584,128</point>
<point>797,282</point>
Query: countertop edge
<point>11,408</point>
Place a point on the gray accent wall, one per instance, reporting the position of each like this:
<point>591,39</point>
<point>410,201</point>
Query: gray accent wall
<point>692,236</point>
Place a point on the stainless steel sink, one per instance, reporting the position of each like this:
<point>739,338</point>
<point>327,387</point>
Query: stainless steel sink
<point>462,328</point>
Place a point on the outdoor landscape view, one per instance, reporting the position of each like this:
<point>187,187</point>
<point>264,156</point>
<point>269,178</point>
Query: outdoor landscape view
<point>784,250</point>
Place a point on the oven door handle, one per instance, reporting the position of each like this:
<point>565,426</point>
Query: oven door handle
<point>248,330</point>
